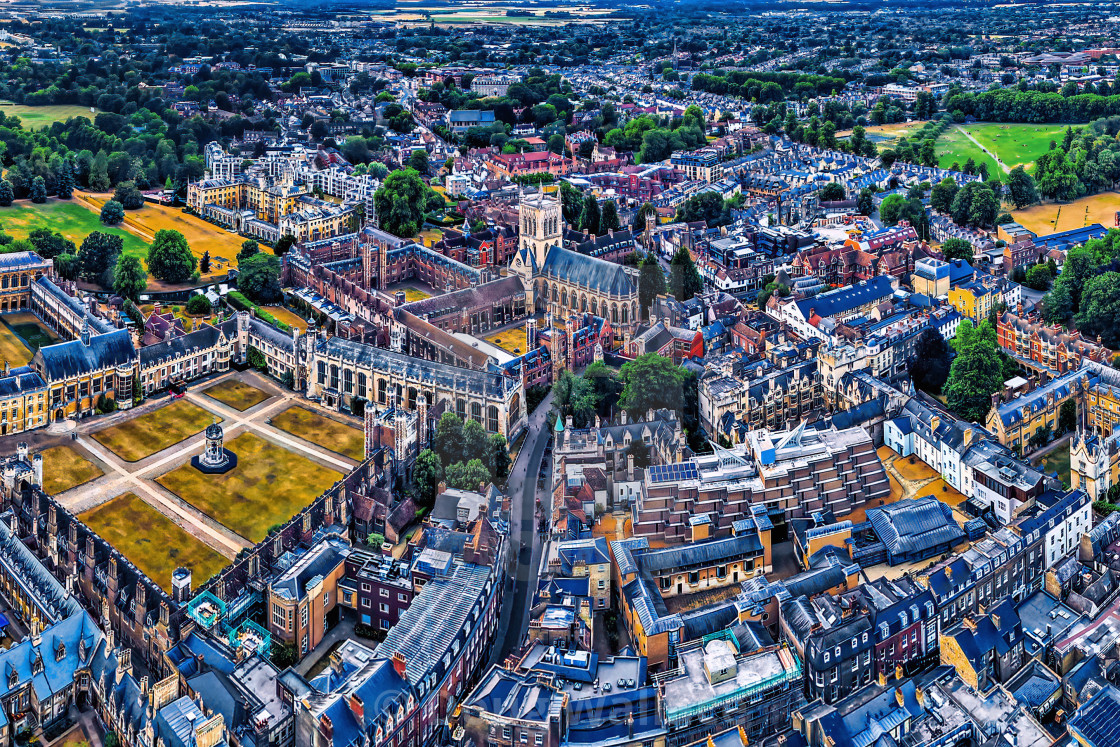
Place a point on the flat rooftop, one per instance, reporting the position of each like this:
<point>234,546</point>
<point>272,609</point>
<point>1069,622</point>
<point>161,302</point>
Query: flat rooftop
<point>692,688</point>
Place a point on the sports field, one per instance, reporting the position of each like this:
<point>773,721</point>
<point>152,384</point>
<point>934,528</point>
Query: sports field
<point>268,486</point>
<point>1007,145</point>
<point>70,218</point>
<point>154,431</point>
<point>35,117</point>
<point>1053,217</point>
<point>154,543</point>
<point>885,136</point>
<point>202,236</point>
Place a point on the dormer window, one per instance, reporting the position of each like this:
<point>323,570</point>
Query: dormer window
<point>60,652</point>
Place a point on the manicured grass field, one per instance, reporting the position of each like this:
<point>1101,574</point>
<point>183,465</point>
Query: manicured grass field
<point>201,236</point>
<point>1053,217</point>
<point>154,431</point>
<point>71,218</point>
<point>32,331</point>
<point>1057,461</point>
<point>154,543</point>
<point>268,486</point>
<point>320,430</point>
<point>35,117</point>
<point>65,468</point>
<point>1012,144</point>
<point>1016,144</point>
<point>953,147</point>
<point>236,393</point>
<point>885,136</point>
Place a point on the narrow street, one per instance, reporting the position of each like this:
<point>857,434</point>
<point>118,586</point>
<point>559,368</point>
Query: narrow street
<point>525,543</point>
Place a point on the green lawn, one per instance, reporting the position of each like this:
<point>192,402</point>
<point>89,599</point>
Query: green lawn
<point>1016,144</point>
<point>67,217</point>
<point>30,329</point>
<point>1013,144</point>
<point>1057,461</point>
<point>154,431</point>
<point>954,148</point>
<point>267,487</point>
<point>34,117</point>
<point>154,543</point>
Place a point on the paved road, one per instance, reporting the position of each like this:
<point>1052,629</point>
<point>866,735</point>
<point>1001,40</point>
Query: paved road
<point>525,543</point>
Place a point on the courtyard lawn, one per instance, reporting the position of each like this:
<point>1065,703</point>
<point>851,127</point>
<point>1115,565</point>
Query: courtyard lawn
<point>236,393</point>
<point>154,431</point>
<point>320,430</point>
<point>511,340</point>
<point>64,468</point>
<point>1053,217</point>
<point>1057,461</point>
<point>155,544</point>
<point>33,332</point>
<point>415,294</point>
<point>267,487</point>
<point>202,237</point>
<point>13,350</point>
<point>71,218</point>
<point>36,117</point>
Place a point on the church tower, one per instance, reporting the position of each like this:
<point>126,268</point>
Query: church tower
<point>541,229</point>
<point>541,225</point>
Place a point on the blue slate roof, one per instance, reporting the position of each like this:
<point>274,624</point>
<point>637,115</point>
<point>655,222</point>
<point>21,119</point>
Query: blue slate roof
<point>845,299</point>
<point>1040,686</point>
<point>1071,238</point>
<point>603,720</point>
<point>1011,412</point>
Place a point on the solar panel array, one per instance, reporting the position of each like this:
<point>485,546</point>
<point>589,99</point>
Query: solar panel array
<point>1100,722</point>
<point>674,472</point>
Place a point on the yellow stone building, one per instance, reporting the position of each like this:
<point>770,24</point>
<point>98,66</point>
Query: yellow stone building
<point>973,300</point>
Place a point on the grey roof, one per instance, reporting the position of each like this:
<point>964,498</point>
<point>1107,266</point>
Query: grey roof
<point>592,273</point>
<point>66,359</point>
<point>180,346</point>
<point>436,617</point>
<point>915,526</point>
<point>404,366</point>
<point>315,563</point>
